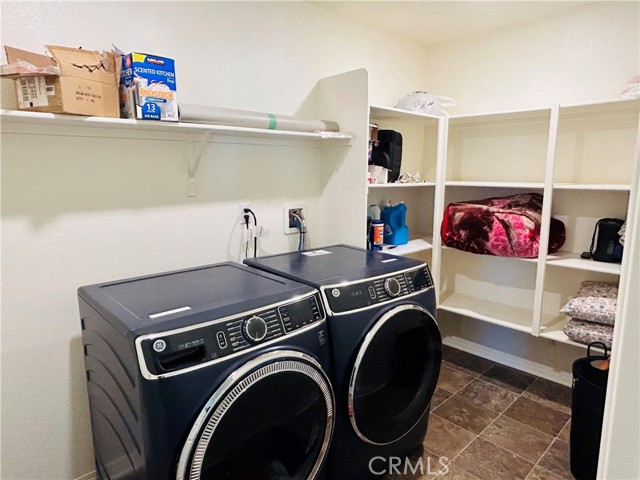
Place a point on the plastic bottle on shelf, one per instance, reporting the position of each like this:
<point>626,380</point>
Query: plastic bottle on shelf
<point>396,231</point>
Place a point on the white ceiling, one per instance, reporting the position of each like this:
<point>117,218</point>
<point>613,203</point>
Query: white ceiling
<point>431,22</point>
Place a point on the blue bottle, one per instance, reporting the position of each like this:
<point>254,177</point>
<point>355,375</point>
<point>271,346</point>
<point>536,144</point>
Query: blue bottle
<point>395,228</point>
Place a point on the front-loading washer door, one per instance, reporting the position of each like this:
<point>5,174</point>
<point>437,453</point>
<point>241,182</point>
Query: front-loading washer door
<point>394,374</point>
<point>271,419</point>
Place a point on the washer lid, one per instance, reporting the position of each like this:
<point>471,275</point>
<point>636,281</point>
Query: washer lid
<point>331,265</point>
<point>219,290</point>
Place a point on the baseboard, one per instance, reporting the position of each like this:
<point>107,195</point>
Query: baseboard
<point>88,476</point>
<point>512,361</point>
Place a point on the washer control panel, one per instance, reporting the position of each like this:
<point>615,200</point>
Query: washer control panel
<point>216,339</point>
<point>354,296</point>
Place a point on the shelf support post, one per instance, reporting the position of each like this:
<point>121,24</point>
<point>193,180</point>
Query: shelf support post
<point>195,151</point>
<point>545,226</point>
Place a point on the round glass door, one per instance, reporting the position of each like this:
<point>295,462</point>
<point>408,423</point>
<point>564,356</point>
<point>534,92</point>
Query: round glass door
<point>272,419</point>
<point>395,374</point>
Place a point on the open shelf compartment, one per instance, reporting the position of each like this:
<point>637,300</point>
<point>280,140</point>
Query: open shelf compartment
<point>492,289</point>
<point>559,287</point>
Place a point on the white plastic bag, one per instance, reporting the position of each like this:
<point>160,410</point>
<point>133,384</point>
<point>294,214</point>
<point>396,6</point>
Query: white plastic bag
<point>424,102</point>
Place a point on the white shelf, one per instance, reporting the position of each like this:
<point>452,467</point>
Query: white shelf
<point>414,246</point>
<point>518,259</point>
<point>474,183</point>
<point>573,260</point>
<point>554,331</point>
<point>616,106</point>
<point>381,112</point>
<point>401,185</point>
<point>109,126</point>
<point>525,115</point>
<point>508,316</point>
<point>607,187</point>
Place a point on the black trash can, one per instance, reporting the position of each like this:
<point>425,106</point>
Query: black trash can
<point>590,375</point>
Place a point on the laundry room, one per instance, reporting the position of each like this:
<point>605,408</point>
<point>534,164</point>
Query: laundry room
<point>297,164</point>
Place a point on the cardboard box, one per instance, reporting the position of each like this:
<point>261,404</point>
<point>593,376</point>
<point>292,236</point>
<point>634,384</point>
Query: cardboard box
<point>86,82</point>
<point>148,88</point>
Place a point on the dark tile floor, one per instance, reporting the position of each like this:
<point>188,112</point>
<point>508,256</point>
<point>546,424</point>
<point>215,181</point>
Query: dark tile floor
<point>494,422</point>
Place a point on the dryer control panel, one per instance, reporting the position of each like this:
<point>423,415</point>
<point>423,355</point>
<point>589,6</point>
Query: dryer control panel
<point>366,293</point>
<point>216,339</point>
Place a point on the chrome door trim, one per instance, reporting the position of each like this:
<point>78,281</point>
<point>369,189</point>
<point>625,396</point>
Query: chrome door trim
<point>225,395</point>
<point>356,366</point>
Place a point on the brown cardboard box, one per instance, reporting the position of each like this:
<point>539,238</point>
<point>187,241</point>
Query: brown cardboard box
<point>86,85</point>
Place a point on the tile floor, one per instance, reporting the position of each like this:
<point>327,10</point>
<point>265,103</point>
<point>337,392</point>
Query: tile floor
<point>494,422</point>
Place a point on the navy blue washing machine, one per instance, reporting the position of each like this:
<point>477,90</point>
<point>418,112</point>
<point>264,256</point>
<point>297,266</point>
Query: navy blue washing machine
<point>219,372</point>
<point>386,350</point>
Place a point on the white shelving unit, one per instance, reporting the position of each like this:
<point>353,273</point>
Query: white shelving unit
<point>419,155</point>
<point>579,156</point>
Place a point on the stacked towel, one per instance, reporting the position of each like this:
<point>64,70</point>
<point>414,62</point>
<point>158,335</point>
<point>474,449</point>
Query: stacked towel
<point>593,313</point>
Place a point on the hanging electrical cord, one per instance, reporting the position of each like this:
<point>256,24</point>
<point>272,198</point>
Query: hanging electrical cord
<point>247,212</point>
<point>301,225</point>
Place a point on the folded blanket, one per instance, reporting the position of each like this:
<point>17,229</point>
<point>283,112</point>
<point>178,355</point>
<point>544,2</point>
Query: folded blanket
<point>586,332</point>
<point>502,226</point>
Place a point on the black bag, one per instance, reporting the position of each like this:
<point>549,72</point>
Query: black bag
<point>388,153</point>
<point>607,241</point>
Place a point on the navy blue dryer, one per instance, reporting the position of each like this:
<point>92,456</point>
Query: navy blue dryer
<point>215,372</point>
<point>386,350</point>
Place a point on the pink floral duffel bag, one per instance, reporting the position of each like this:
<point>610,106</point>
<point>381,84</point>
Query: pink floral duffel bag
<point>502,226</point>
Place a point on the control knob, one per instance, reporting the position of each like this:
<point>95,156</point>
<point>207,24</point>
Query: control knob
<point>392,287</point>
<point>255,329</point>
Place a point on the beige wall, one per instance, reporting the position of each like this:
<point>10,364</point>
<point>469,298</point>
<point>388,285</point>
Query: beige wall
<point>584,54</point>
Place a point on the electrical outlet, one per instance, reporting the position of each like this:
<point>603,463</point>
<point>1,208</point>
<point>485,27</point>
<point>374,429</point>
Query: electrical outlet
<point>289,218</point>
<point>242,207</point>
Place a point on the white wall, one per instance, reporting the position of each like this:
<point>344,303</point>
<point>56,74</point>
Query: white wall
<point>583,54</point>
<point>83,210</point>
